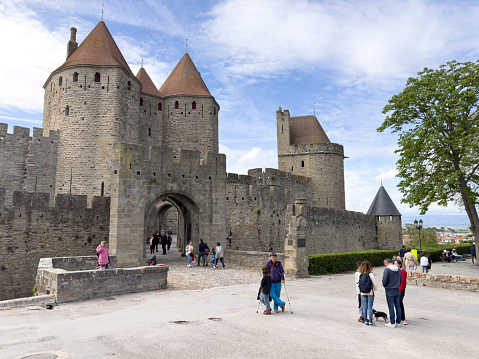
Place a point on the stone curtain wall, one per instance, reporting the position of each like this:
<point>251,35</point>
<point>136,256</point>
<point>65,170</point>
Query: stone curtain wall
<point>256,207</point>
<point>389,232</point>
<point>31,229</point>
<point>330,230</point>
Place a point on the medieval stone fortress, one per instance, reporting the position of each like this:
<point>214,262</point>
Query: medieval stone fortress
<point>118,159</point>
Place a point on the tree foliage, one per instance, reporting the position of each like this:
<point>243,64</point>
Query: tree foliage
<point>436,119</point>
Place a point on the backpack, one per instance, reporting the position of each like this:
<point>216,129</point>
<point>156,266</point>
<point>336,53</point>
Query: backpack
<point>364,283</point>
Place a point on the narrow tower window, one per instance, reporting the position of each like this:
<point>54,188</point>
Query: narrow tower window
<point>67,110</point>
<point>177,105</point>
<point>149,132</point>
<point>193,105</point>
<point>302,163</point>
<point>214,110</point>
<point>102,189</point>
<point>159,106</point>
<point>129,85</point>
<point>60,81</point>
<point>141,101</point>
<point>75,77</point>
<point>97,77</point>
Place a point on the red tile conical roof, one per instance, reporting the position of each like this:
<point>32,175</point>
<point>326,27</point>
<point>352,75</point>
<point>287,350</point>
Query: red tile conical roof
<point>184,80</point>
<point>305,130</point>
<point>98,49</point>
<point>146,83</point>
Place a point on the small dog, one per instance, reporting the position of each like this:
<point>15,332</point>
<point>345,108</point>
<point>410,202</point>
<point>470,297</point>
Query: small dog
<point>378,315</point>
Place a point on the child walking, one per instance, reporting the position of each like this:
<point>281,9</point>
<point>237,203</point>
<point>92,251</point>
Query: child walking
<point>213,258</point>
<point>265,289</point>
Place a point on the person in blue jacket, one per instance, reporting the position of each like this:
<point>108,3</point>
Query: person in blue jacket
<point>277,277</point>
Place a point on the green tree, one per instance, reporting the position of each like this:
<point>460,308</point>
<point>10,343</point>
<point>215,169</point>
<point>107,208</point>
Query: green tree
<point>436,119</point>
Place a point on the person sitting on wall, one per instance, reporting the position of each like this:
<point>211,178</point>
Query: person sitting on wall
<point>103,258</point>
<point>446,257</point>
<point>457,256</point>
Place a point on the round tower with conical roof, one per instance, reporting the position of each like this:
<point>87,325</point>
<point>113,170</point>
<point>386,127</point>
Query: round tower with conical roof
<point>92,98</point>
<point>190,112</point>
<point>388,221</point>
<point>304,149</point>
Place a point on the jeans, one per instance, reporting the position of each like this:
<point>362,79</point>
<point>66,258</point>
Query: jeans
<point>393,300</point>
<point>459,256</point>
<point>265,301</point>
<point>275,294</point>
<point>202,255</point>
<point>213,263</point>
<point>368,301</point>
<point>411,268</point>
<point>189,258</point>
<point>401,304</point>
<point>221,259</point>
<point>424,269</point>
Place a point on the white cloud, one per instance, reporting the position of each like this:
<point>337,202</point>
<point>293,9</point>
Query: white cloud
<point>387,175</point>
<point>241,160</point>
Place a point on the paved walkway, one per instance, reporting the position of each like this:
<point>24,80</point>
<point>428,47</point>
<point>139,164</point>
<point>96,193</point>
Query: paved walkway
<point>222,322</point>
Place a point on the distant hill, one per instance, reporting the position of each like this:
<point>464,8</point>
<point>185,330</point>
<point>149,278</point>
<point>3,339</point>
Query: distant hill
<point>440,220</point>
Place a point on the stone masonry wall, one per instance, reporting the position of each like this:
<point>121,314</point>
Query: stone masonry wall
<point>31,229</point>
<point>446,281</point>
<point>150,129</point>
<point>330,230</point>
<point>256,205</point>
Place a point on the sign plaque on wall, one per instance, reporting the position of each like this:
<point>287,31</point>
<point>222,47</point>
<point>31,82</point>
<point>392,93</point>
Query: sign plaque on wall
<point>301,242</point>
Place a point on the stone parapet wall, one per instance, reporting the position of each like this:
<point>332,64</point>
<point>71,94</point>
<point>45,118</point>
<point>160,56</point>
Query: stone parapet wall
<point>249,259</point>
<point>68,286</point>
<point>32,229</point>
<point>456,282</point>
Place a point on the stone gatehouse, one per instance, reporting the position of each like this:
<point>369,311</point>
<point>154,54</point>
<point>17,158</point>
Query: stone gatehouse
<point>118,158</point>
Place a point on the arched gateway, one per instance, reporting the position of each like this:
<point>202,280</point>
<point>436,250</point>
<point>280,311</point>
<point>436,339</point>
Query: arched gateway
<point>147,181</point>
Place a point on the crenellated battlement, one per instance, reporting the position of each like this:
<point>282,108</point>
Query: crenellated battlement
<point>314,148</point>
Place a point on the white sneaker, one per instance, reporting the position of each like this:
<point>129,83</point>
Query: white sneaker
<point>389,325</point>
<point>404,322</point>
<point>397,325</point>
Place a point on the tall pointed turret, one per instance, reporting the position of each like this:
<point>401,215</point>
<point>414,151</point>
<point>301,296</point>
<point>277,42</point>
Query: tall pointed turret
<point>189,106</point>
<point>388,220</point>
<point>147,83</point>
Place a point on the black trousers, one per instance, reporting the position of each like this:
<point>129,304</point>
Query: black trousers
<point>401,304</point>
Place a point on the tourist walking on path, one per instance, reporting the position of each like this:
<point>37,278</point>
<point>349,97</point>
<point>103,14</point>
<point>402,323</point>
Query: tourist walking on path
<point>169,238</point>
<point>410,261</point>
<point>473,252</point>
<point>152,246</point>
<point>164,241</point>
<point>402,290</point>
<point>201,253</point>
<point>277,276</point>
<point>367,286</point>
<point>189,253</point>
<point>424,263</point>
<point>219,254</point>
<point>358,292</point>
<point>213,259</point>
<point>392,279</point>
<point>265,290</point>
<point>156,240</point>
<point>402,252</point>
<point>102,251</point>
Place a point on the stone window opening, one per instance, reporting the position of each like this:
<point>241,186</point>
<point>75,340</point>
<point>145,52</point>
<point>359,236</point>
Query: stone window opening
<point>60,81</point>
<point>177,105</point>
<point>159,106</point>
<point>141,101</point>
<point>67,110</point>
<point>193,105</point>
<point>129,86</point>
<point>97,77</point>
<point>102,189</point>
<point>291,168</point>
<point>149,132</point>
<point>75,77</point>
<point>302,163</point>
<point>214,110</point>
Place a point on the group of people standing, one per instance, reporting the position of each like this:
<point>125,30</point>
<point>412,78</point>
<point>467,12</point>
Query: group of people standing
<point>216,254</point>
<point>163,239</point>
<point>394,283</point>
<point>412,259</point>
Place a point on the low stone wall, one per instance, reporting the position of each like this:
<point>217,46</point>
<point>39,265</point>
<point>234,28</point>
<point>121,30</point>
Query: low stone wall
<point>447,281</point>
<point>249,259</point>
<point>74,285</point>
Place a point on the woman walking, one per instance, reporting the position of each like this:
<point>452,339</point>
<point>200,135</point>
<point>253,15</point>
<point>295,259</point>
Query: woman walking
<point>219,254</point>
<point>367,286</point>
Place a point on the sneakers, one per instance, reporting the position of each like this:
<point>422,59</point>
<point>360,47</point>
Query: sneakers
<point>404,322</point>
<point>267,312</point>
<point>188,265</point>
<point>282,308</point>
<point>366,322</point>
<point>397,325</point>
<point>276,311</point>
<point>389,325</point>
<point>371,324</point>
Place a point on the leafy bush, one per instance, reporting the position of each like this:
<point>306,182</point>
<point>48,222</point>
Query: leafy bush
<point>329,263</point>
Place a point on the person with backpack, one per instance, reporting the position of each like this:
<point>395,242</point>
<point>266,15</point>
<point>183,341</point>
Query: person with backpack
<point>367,286</point>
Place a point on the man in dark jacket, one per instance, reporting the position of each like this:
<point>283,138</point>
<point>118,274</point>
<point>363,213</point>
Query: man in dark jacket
<point>201,250</point>
<point>392,279</point>
<point>277,276</point>
<point>402,252</point>
<point>473,252</point>
<point>163,241</point>
<point>156,240</point>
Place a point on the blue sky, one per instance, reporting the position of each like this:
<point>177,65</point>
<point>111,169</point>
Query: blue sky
<point>344,58</point>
